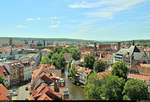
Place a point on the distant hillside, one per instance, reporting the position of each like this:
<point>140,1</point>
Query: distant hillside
<point>75,40</point>
<point>48,39</point>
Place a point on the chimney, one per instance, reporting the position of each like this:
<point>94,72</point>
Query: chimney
<point>118,48</point>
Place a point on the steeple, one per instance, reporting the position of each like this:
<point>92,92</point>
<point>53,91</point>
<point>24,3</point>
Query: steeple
<point>133,43</point>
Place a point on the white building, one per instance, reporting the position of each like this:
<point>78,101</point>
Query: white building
<point>28,65</point>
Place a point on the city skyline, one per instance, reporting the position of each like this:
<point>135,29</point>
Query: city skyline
<point>76,19</point>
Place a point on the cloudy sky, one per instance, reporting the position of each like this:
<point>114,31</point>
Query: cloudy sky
<point>79,19</point>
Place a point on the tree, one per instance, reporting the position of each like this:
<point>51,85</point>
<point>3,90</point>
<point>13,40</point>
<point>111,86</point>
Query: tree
<point>68,66</point>
<point>99,66</point>
<point>45,60</point>
<point>89,61</point>
<point>59,61</point>
<point>1,79</point>
<point>65,50</point>
<point>92,92</point>
<point>50,55</point>
<point>75,53</point>
<point>112,87</point>
<point>120,69</point>
<point>92,89</point>
<point>60,64</point>
<point>54,58</point>
<point>57,49</point>
<point>72,73</point>
<point>135,90</point>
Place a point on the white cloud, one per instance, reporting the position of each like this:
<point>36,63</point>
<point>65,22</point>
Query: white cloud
<point>107,8</point>
<point>53,26</point>
<point>54,17</point>
<point>33,19</point>
<point>54,22</point>
<point>85,4</point>
<point>38,18</point>
<point>20,26</point>
<point>30,19</point>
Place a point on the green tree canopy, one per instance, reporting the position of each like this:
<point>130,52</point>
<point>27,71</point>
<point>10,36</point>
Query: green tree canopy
<point>99,66</point>
<point>135,90</point>
<point>65,50</point>
<point>61,62</point>
<point>45,60</point>
<point>58,60</point>
<point>57,49</point>
<point>92,89</point>
<point>72,73</point>
<point>75,53</point>
<point>54,58</point>
<point>120,69</point>
<point>1,79</point>
<point>112,87</point>
<point>50,55</point>
<point>89,61</point>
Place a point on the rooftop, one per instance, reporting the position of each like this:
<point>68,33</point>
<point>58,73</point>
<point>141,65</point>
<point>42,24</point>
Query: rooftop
<point>3,92</point>
<point>101,74</point>
<point>139,77</point>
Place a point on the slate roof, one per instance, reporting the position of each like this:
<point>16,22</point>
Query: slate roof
<point>130,50</point>
<point>133,50</point>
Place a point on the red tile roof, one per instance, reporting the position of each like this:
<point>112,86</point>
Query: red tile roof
<point>2,97</point>
<point>107,56</point>
<point>145,65</point>
<point>16,62</point>
<point>42,86</point>
<point>3,93</point>
<point>101,74</point>
<point>139,77</point>
<point>83,70</point>
<point>44,76</point>
<point>44,97</point>
<point>31,97</point>
<point>43,92</point>
<point>36,72</point>
<point>143,69</point>
<point>46,50</point>
<point>147,49</point>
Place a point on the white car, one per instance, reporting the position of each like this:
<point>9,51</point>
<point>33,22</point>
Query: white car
<point>14,93</point>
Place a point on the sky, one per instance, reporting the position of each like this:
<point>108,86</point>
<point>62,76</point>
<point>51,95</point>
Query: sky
<point>76,19</point>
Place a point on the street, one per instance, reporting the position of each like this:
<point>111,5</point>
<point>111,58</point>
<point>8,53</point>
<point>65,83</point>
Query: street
<point>22,93</point>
